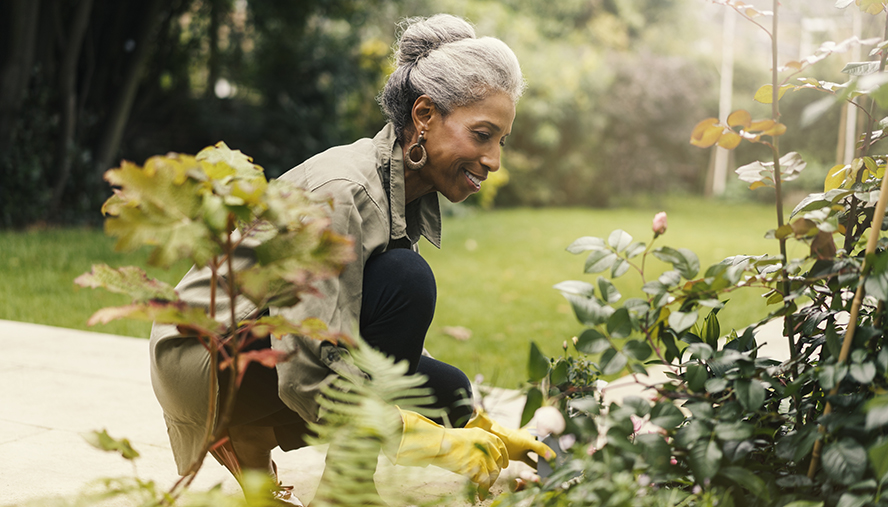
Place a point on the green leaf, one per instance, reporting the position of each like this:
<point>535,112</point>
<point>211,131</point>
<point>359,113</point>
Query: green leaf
<point>735,430</point>
<point>635,249</point>
<point>683,260</point>
<point>609,292</point>
<point>863,373</point>
<point>637,349</point>
<point>559,374</point>
<point>805,503</point>
<point>830,375</point>
<point>619,268</point>
<point>716,385</point>
<point>619,240</point>
<point>876,412</point>
<point>833,341</point>
<point>655,451</point>
<point>878,458</point>
<point>666,415</point>
<point>705,457</point>
<point>588,311</point>
<point>584,289</point>
<point>876,284</point>
<point>128,280</point>
<point>689,435</point>
<point>220,154</point>
<point>860,68</point>
<point>612,362</point>
<point>592,341</point>
<point>619,324</point>
<point>750,393</point>
<point>103,441</point>
<point>177,312</point>
<point>532,403</point>
<point>700,351</point>
<point>585,244</point>
<point>844,461</point>
<point>681,321</point>
<point>537,364</point>
<point>849,499</point>
<point>670,278</point>
<point>696,377</point>
<point>600,260</point>
<point>747,480</point>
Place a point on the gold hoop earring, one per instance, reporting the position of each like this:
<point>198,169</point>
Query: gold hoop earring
<point>416,165</point>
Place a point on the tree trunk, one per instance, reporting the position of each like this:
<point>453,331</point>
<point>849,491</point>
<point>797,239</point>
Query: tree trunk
<point>213,60</point>
<point>68,99</point>
<point>16,71</point>
<point>112,133</point>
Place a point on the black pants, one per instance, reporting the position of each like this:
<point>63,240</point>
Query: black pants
<point>398,304</point>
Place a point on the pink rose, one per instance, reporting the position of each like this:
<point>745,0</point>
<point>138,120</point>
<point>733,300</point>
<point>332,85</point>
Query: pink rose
<point>659,224</point>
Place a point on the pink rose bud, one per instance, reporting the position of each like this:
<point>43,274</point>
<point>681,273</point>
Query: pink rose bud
<point>549,421</point>
<point>659,224</point>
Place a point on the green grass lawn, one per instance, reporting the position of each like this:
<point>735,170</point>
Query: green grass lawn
<point>495,274</point>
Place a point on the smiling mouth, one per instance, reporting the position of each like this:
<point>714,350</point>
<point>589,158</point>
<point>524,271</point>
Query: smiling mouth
<point>474,179</point>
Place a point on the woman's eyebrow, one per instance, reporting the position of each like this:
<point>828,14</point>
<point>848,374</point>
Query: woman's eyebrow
<point>493,126</point>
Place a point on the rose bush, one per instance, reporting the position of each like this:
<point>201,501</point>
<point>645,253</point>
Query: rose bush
<point>731,427</point>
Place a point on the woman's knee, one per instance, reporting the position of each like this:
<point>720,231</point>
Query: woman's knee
<point>397,281</point>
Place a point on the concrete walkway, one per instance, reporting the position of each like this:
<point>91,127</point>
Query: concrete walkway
<point>59,383</point>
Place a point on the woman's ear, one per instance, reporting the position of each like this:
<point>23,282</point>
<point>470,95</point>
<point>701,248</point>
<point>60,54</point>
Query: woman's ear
<point>423,111</point>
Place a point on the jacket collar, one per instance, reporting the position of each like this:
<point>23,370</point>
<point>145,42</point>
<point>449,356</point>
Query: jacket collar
<point>408,221</point>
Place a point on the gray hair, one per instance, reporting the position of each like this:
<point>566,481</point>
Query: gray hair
<point>441,57</point>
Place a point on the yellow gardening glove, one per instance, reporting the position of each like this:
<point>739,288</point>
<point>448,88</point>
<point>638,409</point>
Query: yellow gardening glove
<point>472,452</point>
<point>518,442</point>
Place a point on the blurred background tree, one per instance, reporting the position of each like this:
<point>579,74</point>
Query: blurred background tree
<point>614,89</point>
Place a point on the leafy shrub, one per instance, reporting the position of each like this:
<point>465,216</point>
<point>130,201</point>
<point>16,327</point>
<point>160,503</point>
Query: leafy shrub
<point>750,430</point>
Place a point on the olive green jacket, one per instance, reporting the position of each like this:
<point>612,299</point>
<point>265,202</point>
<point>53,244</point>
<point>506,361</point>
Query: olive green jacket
<point>358,178</point>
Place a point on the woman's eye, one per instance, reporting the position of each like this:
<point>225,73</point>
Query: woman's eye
<point>482,136</point>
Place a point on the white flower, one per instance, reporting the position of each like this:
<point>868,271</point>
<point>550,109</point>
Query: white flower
<point>549,421</point>
<point>567,441</point>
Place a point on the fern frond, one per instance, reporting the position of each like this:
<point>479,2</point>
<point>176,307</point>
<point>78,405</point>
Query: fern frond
<point>360,419</point>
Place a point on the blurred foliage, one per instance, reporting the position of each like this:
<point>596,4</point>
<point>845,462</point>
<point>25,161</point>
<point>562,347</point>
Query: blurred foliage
<point>613,90</point>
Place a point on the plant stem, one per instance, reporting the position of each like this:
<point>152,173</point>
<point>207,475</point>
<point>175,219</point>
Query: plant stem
<point>775,150</point>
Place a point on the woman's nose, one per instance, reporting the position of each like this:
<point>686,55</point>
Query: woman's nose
<point>491,159</point>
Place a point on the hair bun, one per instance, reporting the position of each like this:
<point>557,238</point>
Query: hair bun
<point>421,36</point>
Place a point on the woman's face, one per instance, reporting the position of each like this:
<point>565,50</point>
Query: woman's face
<point>464,146</point>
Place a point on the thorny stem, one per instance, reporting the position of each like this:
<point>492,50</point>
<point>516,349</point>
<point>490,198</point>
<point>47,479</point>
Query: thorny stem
<point>875,231</point>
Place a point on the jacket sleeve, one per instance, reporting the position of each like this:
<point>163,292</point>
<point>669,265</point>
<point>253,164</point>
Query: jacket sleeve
<point>356,214</point>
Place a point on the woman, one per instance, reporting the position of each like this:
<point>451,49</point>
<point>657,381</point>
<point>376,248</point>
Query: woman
<point>450,105</point>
